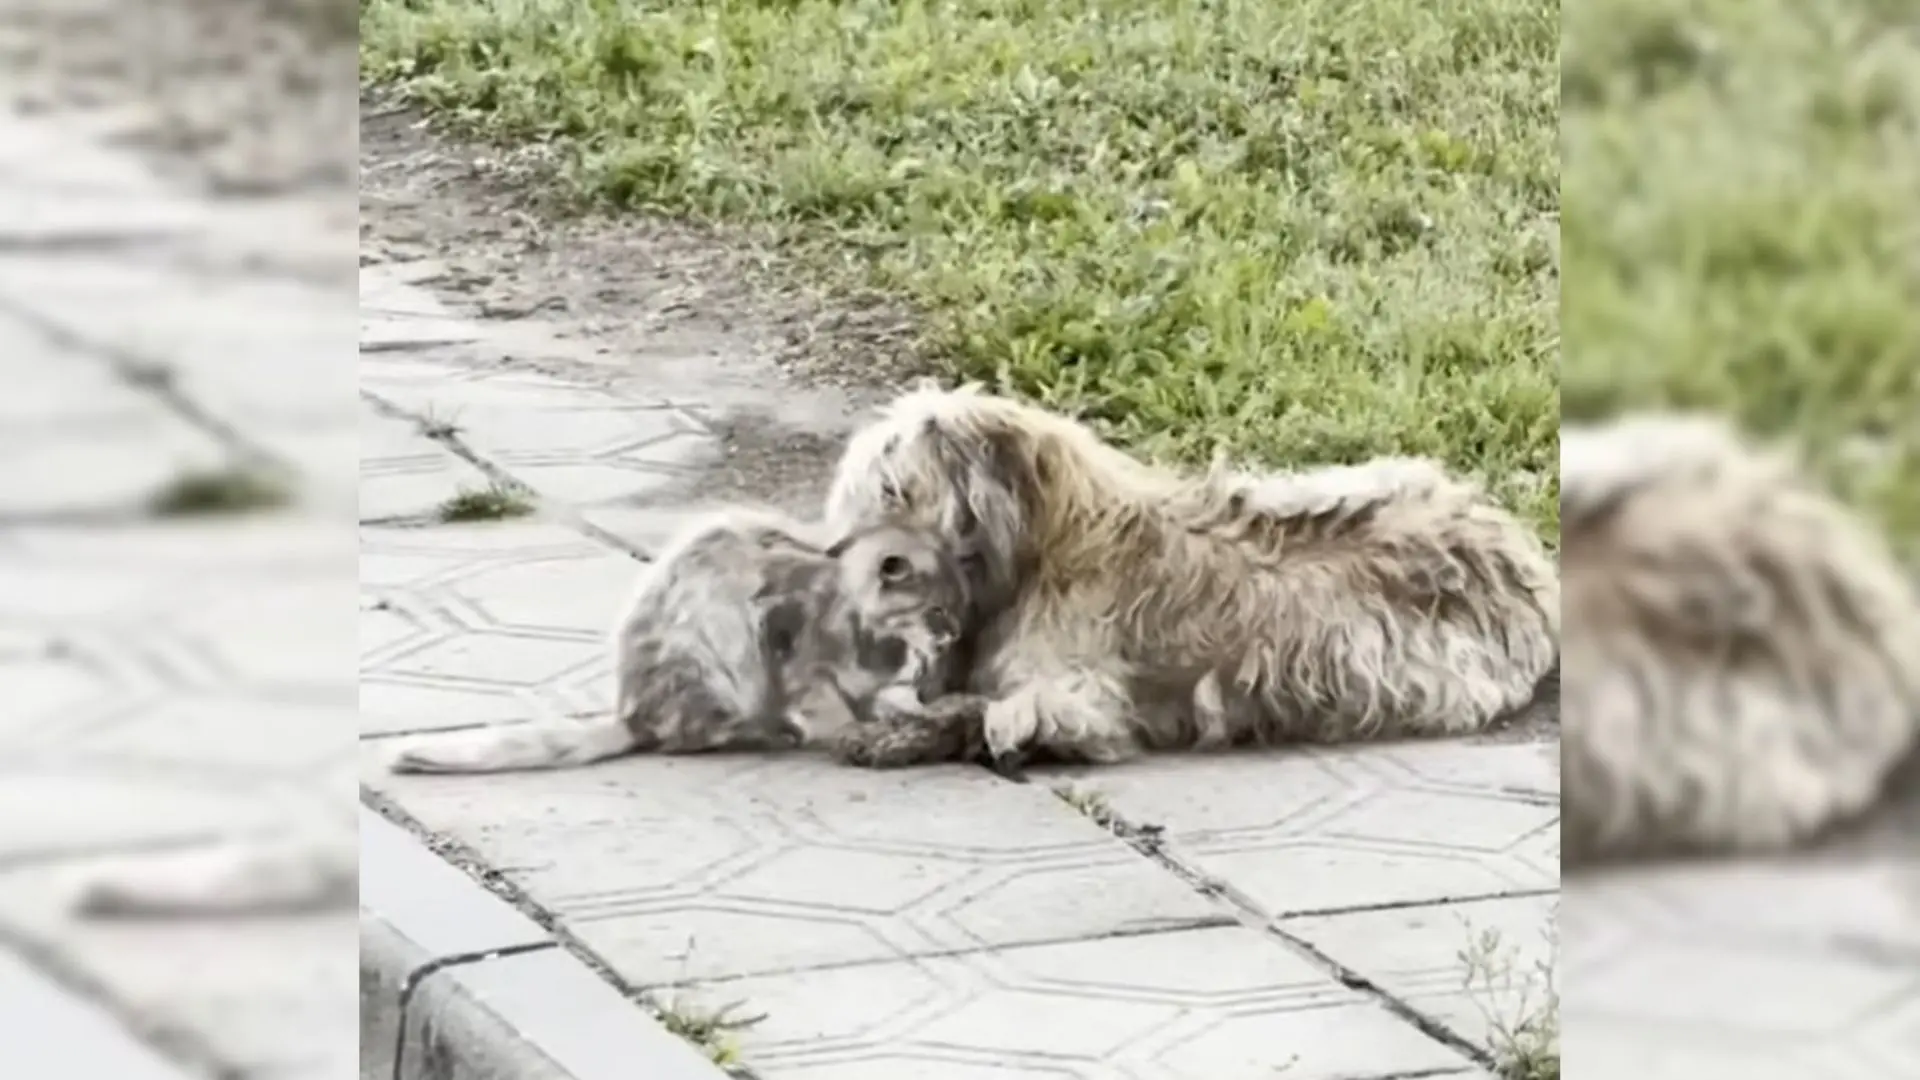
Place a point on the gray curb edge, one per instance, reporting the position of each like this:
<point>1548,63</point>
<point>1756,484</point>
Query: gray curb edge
<point>457,985</point>
<point>50,1032</point>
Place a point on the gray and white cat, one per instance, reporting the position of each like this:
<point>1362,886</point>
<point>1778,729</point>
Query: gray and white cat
<point>747,633</point>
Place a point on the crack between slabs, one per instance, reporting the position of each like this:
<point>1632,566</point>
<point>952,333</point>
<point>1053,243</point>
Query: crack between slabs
<point>175,1044</point>
<point>456,853</point>
<point>1147,841</point>
<point>139,372</point>
<point>497,474</point>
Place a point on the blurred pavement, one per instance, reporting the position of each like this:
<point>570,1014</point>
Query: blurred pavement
<point>171,679</point>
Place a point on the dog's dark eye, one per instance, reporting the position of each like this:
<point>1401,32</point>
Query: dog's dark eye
<point>894,568</point>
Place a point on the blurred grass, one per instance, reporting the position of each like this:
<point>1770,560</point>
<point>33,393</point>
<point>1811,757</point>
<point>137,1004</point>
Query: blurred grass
<point>1741,181</point>
<point>1295,232</point>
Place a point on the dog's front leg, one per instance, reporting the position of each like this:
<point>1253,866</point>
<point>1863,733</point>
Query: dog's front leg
<point>1074,713</point>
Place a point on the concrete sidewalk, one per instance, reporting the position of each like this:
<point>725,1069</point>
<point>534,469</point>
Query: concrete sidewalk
<point>1300,914</point>
<point>170,679</point>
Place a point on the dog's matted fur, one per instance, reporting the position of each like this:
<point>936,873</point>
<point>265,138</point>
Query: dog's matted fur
<point>748,633</point>
<point>1121,607</point>
<point>1742,657</point>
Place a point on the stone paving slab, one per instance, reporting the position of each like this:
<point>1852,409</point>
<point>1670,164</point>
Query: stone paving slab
<point>1476,967</point>
<point>104,467</point>
<point>402,477</point>
<point>76,1039</point>
<point>1221,1002</point>
<point>1769,968</point>
<point>170,682</point>
<point>687,869</point>
<point>233,344</point>
<point>1326,829</point>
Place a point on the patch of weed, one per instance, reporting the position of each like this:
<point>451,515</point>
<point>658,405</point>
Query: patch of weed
<point>436,425</point>
<point>1520,1003</point>
<point>710,1029</point>
<point>491,503</point>
<point>1088,802</point>
<point>234,489</point>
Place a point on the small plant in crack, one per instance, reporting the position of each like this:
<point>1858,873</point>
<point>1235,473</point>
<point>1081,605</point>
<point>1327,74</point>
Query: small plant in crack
<point>1090,803</point>
<point>494,502</point>
<point>1093,805</point>
<point>436,425</point>
<point>232,490</point>
<point>711,1029</point>
<point>1520,1002</point>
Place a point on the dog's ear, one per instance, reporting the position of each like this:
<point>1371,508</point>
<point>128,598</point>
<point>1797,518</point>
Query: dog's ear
<point>994,480</point>
<point>783,622</point>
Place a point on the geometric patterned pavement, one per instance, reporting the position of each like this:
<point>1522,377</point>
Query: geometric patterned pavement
<point>1306,908</point>
<point>1764,969</point>
<point>939,922</point>
<point>171,682</point>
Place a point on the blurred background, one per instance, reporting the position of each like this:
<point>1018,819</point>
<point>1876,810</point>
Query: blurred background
<point>1741,235</point>
<point>177,558</point>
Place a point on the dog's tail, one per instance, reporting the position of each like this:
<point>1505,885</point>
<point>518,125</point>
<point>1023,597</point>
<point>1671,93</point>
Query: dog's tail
<point>550,744</point>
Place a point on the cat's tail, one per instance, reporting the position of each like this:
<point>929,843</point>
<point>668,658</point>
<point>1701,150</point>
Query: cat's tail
<point>242,876</point>
<point>548,744</point>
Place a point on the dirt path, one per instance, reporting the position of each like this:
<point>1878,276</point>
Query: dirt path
<point>681,311</point>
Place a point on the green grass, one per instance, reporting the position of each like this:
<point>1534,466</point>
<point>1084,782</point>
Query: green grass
<point>213,492</point>
<point>1742,225</point>
<point>495,502</point>
<point>1294,232</point>
<point>711,1029</point>
<point>1088,802</point>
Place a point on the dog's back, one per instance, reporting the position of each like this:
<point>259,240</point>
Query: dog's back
<point>1742,659</point>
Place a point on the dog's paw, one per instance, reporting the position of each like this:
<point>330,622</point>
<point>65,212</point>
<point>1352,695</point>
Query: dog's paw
<point>1010,728</point>
<point>1008,766</point>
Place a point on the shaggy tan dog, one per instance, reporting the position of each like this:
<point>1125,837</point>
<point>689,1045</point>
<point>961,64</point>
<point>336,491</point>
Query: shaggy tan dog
<point>1742,657</point>
<point>1123,607</point>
